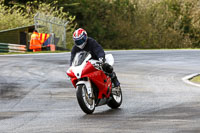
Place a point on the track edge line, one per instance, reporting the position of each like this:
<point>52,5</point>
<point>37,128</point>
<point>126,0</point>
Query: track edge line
<point>186,79</point>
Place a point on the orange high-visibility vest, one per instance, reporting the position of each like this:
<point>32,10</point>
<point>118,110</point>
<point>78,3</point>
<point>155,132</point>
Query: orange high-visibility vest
<point>35,42</point>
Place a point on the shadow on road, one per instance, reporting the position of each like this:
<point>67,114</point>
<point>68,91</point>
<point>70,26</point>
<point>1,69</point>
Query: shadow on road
<point>104,114</point>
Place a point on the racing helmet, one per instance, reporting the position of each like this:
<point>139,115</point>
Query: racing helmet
<point>80,38</point>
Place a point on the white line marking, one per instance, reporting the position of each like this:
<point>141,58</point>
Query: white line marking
<point>187,79</point>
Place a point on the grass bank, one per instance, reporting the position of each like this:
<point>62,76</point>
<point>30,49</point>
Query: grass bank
<point>196,79</point>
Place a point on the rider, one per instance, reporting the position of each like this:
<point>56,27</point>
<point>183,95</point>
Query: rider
<point>84,43</point>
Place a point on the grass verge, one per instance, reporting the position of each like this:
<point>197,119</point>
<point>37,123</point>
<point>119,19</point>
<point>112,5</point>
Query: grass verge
<point>196,79</point>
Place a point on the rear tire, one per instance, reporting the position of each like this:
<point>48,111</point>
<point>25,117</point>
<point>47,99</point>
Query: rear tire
<point>116,98</point>
<point>86,103</point>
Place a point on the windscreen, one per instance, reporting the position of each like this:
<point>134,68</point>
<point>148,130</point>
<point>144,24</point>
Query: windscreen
<point>79,58</point>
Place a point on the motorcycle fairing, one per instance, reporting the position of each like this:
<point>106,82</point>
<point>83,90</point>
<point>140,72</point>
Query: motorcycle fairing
<point>99,78</point>
<point>87,70</point>
<point>96,76</point>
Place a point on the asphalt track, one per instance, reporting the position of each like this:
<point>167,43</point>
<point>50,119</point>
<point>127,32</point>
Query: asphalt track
<point>37,97</point>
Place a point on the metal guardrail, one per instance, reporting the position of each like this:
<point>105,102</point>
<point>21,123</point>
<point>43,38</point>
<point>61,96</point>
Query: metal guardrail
<point>6,48</point>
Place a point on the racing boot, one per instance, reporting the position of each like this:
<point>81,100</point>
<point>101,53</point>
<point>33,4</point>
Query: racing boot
<point>114,79</point>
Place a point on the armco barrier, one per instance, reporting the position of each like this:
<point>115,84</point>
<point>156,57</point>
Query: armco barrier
<point>6,47</point>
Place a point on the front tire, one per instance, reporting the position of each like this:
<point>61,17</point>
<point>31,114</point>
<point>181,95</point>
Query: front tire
<point>86,103</point>
<point>116,98</point>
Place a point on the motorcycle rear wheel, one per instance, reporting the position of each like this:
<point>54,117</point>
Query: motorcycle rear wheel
<point>116,98</point>
<point>86,103</point>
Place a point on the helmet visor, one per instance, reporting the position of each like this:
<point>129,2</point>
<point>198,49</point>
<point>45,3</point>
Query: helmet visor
<point>80,41</point>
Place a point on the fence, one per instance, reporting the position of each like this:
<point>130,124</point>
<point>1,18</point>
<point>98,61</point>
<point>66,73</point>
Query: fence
<point>6,47</point>
<point>52,25</point>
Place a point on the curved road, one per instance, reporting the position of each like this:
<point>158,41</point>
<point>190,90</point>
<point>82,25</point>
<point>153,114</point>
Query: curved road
<point>37,97</point>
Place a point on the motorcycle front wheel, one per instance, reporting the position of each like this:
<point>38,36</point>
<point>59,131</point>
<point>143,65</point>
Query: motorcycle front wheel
<point>116,98</point>
<point>86,103</point>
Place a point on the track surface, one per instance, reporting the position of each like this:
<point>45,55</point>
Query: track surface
<point>37,97</point>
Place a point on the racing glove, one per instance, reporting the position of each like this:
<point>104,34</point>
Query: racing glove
<point>102,60</point>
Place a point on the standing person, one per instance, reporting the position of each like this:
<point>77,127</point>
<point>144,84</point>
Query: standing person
<point>35,43</point>
<point>84,43</point>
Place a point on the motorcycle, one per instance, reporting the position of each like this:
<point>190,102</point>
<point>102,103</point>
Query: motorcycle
<point>93,85</point>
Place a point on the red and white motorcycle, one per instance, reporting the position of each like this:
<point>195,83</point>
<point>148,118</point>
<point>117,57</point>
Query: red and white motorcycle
<point>93,85</point>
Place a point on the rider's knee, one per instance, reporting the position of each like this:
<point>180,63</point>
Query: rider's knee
<point>107,68</point>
